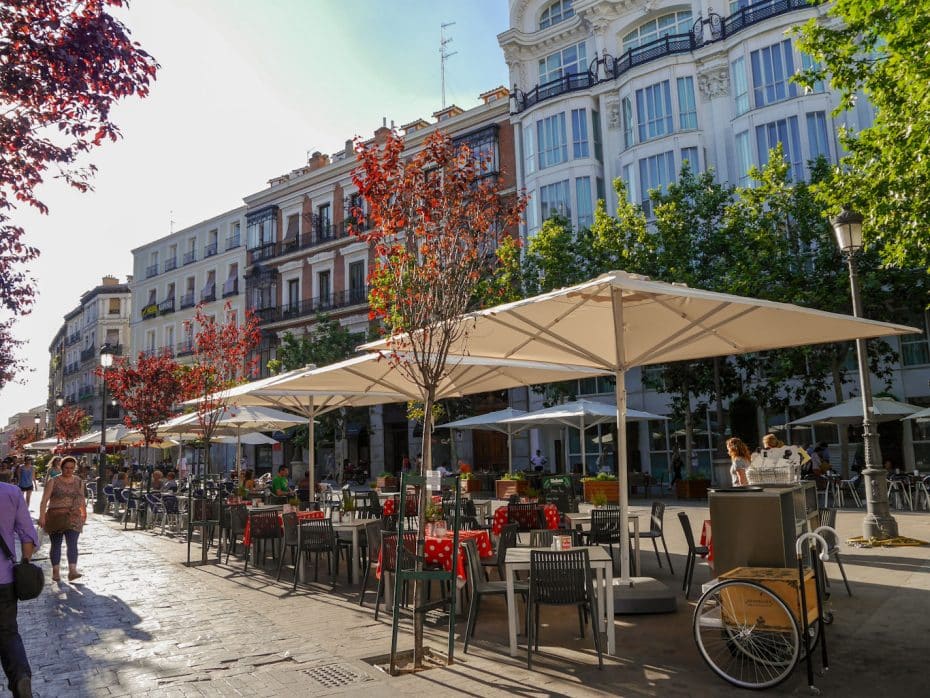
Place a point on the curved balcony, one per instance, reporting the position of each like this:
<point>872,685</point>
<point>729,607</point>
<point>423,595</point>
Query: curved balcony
<point>609,68</point>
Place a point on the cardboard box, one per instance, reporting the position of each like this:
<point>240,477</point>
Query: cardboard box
<point>741,604</point>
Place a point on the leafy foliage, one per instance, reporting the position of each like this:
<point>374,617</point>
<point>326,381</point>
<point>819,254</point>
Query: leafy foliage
<point>21,437</point>
<point>146,390</point>
<point>879,49</point>
<point>71,422</point>
<point>63,65</point>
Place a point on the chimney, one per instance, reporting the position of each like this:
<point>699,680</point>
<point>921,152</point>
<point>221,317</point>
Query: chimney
<point>110,280</point>
<point>381,134</point>
<point>350,147</point>
<point>317,160</point>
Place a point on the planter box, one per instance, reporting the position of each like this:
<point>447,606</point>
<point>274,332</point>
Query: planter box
<point>504,488</point>
<point>471,485</point>
<point>692,489</point>
<point>388,484</point>
<point>609,488</point>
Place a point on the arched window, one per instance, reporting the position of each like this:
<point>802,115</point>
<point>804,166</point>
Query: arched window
<point>559,11</point>
<point>672,23</point>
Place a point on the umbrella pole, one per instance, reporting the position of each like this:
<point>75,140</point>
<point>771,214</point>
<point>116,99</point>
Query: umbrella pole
<point>311,460</point>
<point>623,478</point>
<point>238,453</point>
<point>584,455</point>
<point>510,449</point>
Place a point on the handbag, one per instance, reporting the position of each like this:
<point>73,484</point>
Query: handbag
<point>57,520</point>
<point>28,579</point>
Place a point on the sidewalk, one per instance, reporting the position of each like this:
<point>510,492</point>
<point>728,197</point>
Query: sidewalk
<point>140,623</point>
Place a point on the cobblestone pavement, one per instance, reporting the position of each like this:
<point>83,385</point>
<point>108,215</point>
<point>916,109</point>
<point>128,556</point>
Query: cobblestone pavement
<point>141,623</point>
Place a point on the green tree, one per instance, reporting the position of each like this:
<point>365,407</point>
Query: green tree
<point>878,49</point>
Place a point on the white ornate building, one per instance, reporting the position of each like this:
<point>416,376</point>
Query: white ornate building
<point>630,89</point>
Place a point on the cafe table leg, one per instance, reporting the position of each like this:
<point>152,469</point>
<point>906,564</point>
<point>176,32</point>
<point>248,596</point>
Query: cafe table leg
<point>511,612</point>
<point>609,607</point>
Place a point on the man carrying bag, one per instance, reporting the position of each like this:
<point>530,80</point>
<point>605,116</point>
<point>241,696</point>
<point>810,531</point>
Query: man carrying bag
<point>15,522</point>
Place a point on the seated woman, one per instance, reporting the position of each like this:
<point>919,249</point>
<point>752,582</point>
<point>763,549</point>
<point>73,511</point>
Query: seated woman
<point>248,480</point>
<point>157,482</point>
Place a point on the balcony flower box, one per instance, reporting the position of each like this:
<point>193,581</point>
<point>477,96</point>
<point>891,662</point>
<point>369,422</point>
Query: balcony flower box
<point>470,483</point>
<point>605,491</point>
<point>503,489</point>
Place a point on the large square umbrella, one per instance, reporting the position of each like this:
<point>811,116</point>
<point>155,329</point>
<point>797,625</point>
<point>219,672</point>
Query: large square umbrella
<point>922,416</point>
<point>372,379</point>
<point>580,414</point>
<point>884,409</point>
<point>492,421</point>
<point>621,320</point>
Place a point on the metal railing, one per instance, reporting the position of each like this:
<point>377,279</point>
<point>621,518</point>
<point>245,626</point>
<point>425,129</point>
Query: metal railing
<point>88,353</point>
<point>171,264</point>
<point>208,295</point>
<point>72,339</point>
<point>322,232</point>
<point>184,348</point>
<point>149,311</point>
<point>231,287</point>
<point>190,257</point>
<point>312,306</point>
<point>209,250</point>
<point>609,68</point>
<point>187,300</point>
<point>151,270</point>
<point>166,306</point>
<point>232,242</point>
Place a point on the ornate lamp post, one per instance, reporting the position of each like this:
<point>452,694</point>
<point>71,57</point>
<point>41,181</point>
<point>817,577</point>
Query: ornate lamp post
<point>59,403</point>
<point>37,420</point>
<point>106,360</point>
<point>878,522</point>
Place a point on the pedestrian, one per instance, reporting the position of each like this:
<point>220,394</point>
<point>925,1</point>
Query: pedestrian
<point>538,461</point>
<point>62,515</point>
<point>54,468</point>
<point>14,522</point>
<point>678,464</point>
<point>739,461</point>
<point>27,479</point>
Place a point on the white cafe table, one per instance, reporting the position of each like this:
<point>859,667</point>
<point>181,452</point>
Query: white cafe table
<point>354,527</point>
<point>632,517</point>
<point>518,559</point>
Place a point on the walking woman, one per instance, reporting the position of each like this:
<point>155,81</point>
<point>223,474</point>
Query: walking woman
<point>62,515</point>
<point>27,478</point>
<point>739,459</point>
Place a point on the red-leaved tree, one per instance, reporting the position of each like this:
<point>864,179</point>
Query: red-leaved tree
<point>63,65</point>
<point>70,423</point>
<point>223,357</point>
<point>146,390</point>
<point>438,219</point>
<point>21,437</point>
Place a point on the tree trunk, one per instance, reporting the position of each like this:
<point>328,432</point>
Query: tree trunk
<point>844,432</point>
<point>426,465</point>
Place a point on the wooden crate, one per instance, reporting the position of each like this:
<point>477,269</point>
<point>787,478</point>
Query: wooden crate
<point>782,581</point>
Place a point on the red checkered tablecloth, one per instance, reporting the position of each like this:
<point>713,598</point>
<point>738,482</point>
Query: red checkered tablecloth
<point>301,516</point>
<point>550,511</point>
<point>438,551</point>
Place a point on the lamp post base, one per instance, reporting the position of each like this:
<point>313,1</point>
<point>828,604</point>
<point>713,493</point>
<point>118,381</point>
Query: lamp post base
<point>878,522</point>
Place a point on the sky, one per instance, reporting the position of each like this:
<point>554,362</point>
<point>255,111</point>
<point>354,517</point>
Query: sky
<point>246,89</point>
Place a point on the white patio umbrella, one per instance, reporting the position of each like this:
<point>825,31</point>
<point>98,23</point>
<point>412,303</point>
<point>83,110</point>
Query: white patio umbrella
<point>922,416</point>
<point>580,414</point>
<point>371,379</point>
<point>233,420</point>
<point>884,409</point>
<point>118,434</point>
<point>492,421</point>
<point>42,444</point>
<point>620,320</point>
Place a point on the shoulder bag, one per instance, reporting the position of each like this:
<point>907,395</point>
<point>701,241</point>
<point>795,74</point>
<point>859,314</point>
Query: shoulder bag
<point>28,579</point>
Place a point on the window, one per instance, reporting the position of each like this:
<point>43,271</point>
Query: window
<point>209,288</point>
<point>915,348</point>
<point>655,172</point>
<point>568,61</point>
<point>555,199</point>
<point>807,62</point>
<point>583,202</point>
<point>817,134</point>
<point>784,131</point>
<point>691,155</point>
<point>152,300</point>
<point>532,218</point>
<point>627,106</point>
<point>529,150</point>
<point>324,215</point>
<point>629,179</point>
<point>324,288</point>
<point>654,110</point>
<point>233,240</point>
<point>293,227</point>
<point>599,183</point>
<point>112,338</point>
<point>169,337</point>
<point>772,68</point>
<point>211,248</point>
<point>114,306</point>
<point>743,158</point>
<point>740,85</point>
<point>687,109</point>
<point>596,134</point>
<point>231,285</point>
<point>150,341</point>
<point>260,227</point>
<point>557,12</point>
<point>293,294</point>
<point>357,292</point>
<point>674,23</point>
<point>550,137</point>
<point>580,133</point>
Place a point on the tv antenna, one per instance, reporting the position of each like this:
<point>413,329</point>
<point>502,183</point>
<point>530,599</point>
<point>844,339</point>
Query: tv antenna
<point>443,56</point>
<point>171,221</point>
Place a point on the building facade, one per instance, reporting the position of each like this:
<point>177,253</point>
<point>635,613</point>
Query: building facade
<point>35,420</point>
<point>303,261</point>
<point>201,264</point>
<point>631,89</point>
<point>101,317</point>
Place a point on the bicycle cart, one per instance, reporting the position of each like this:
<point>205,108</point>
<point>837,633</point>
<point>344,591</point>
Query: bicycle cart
<point>756,624</point>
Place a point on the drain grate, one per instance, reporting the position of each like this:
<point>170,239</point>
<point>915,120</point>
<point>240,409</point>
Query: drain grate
<point>336,675</point>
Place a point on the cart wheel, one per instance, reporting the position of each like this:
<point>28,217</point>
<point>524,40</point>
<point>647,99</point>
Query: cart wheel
<point>746,634</point>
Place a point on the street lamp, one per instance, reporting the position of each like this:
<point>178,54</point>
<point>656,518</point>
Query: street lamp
<point>106,360</point>
<point>878,522</point>
<point>37,420</point>
<point>59,403</point>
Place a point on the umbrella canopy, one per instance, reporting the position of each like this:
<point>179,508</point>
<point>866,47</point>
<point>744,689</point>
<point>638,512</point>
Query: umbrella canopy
<point>580,414</point>
<point>373,379</point>
<point>43,444</point>
<point>119,434</point>
<point>621,320</point>
<point>884,409</point>
<point>922,416</point>
<point>492,421</point>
